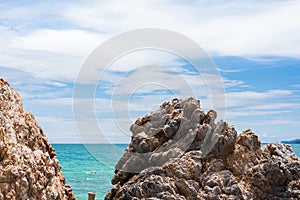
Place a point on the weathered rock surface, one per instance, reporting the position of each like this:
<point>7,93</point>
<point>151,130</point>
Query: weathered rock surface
<point>29,168</point>
<point>179,152</point>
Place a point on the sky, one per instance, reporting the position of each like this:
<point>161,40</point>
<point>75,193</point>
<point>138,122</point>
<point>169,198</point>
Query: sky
<point>254,46</point>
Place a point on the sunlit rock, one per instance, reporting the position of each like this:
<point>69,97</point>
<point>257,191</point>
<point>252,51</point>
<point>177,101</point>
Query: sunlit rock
<point>29,168</point>
<point>181,152</point>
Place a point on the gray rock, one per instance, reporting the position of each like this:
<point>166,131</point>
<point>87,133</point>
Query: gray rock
<point>190,156</point>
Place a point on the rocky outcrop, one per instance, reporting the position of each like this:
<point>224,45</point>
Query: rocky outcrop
<point>180,152</point>
<point>29,168</point>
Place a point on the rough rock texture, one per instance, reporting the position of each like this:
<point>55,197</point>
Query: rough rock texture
<point>179,152</point>
<point>29,168</point>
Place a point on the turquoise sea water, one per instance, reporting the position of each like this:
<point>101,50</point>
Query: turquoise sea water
<point>87,172</point>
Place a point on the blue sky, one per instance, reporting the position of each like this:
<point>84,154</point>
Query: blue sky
<point>254,44</point>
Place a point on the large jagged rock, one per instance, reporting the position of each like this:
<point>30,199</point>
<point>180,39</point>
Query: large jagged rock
<point>179,152</point>
<point>29,168</point>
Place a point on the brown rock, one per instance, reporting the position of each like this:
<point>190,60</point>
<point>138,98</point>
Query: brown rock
<point>29,168</point>
<point>249,139</point>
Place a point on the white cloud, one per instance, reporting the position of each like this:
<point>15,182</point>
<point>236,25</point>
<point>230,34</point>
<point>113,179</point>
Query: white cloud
<point>247,98</point>
<point>57,102</point>
<point>144,57</point>
<point>296,85</point>
<point>230,28</point>
<point>234,83</point>
<point>276,122</point>
<point>59,130</point>
<point>56,84</point>
<point>276,106</point>
<point>41,64</point>
<point>78,43</point>
<point>230,70</point>
<point>251,103</point>
<point>51,51</point>
<point>253,113</point>
<point>227,28</point>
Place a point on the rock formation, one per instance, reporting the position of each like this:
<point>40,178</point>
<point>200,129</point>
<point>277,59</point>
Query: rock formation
<point>179,152</point>
<point>29,168</point>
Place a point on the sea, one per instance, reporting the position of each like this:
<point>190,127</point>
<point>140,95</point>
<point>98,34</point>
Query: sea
<point>90,167</point>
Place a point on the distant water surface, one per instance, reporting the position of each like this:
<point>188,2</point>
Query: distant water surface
<point>296,148</point>
<point>84,173</point>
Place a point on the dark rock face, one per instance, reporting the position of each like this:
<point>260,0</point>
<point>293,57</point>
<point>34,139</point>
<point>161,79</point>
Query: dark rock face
<point>29,168</point>
<point>180,152</point>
